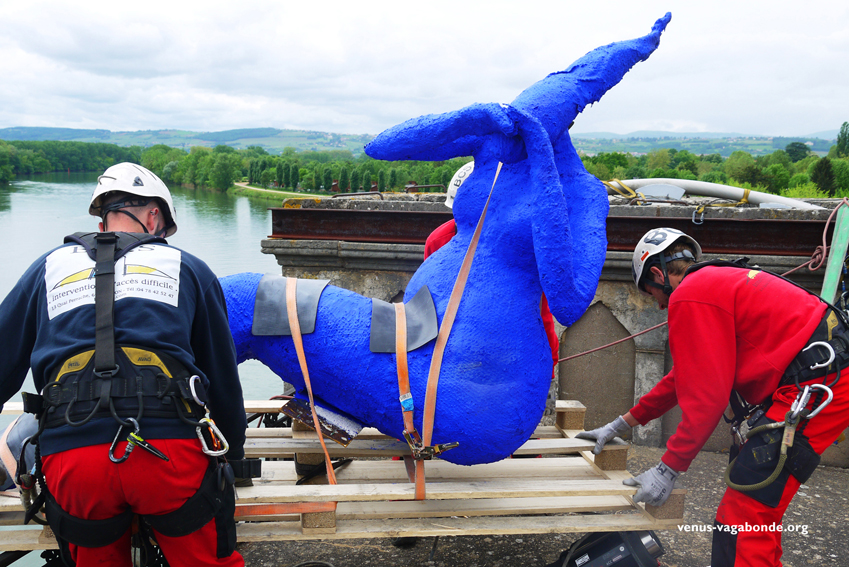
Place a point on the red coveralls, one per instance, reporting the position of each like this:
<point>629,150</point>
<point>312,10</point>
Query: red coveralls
<point>737,329</point>
<point>88,485</point>
<point>445,232</point>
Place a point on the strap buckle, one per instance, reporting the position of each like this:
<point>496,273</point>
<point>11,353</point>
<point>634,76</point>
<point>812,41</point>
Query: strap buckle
<point>422,453</point>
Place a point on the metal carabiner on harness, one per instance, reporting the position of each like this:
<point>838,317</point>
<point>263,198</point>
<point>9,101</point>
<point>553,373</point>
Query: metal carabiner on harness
<point>218,440</point>
<point>130,446</point>
<point>192,381</point>
<point>830,351</point>
<point>823,404</point>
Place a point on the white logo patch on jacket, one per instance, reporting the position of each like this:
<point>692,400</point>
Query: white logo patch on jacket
<point>145,272</point>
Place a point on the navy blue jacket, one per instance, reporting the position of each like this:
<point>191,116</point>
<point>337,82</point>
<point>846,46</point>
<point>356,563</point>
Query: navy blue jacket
<point>166,299</point>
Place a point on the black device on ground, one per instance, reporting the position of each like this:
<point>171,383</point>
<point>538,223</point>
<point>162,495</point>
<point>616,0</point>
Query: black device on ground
<point>619,549</point>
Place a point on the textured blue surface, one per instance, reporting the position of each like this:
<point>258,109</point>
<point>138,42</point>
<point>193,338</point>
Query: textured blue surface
<point>544,232</point>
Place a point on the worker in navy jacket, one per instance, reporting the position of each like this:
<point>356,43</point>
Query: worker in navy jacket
<point>169,326</point>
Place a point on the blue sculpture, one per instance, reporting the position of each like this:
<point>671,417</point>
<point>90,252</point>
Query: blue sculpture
<point>544,232</point>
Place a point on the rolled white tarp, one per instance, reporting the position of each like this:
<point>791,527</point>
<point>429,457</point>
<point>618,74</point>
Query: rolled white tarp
<point>715,190</point>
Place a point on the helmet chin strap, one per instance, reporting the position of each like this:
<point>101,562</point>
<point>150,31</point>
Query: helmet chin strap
<point>666,287</point>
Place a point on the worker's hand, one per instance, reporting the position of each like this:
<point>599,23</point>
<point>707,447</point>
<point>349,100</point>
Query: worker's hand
<point>655,484</point>
<point>605,433</point>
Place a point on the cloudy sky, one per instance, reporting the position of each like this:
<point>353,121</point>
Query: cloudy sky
<point>754,67</point>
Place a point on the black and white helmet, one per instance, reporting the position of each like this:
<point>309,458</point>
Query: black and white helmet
<point>650,247</point>
<point>134,180</point>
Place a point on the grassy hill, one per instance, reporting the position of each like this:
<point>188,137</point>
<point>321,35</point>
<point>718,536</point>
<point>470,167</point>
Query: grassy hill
<point>274,140</point>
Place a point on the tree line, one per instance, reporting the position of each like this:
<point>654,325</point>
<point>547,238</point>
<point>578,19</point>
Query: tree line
<point>793,171</point>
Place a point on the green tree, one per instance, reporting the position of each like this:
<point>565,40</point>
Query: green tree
<point>715,177</point>
<point>843,141</point>
<point>797,151</point>
<point>355,180</point>
<point>736,163</point>
<point>777,178</point>
<point>367,181</point>
<point>799,179</point>
<point>658,159</point>
<point>327,178</point>
<point>841,175</point>
<point>287,174</point>
<point>294,175</point>
<point>393,178</point>
<point>223,171</point>
<point>822,175</point>
<point>381,180</point>
<point>279,172</point>
<point>344,180</point>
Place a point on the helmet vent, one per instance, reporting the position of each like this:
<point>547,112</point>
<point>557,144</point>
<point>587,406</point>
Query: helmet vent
<point>137,182</point>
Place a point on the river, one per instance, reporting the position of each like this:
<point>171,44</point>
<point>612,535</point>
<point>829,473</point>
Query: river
<point>225,231</point>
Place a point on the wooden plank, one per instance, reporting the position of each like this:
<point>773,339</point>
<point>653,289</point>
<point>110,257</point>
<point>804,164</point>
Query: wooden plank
<point>281,447</point>
<point>370,433</point>
<point>13,408</point>
<point>436,491</point>
<point>360,471</point>
<point>27,539</point>
<point>491,525</point>
<point>481,507</point>
<point>12,518</point>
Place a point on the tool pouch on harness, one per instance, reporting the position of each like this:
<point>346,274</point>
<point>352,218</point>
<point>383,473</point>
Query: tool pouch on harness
<point>758,458</point>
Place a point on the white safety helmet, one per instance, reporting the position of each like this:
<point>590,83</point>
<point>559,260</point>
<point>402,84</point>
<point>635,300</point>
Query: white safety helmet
<point>134,180</point>
<point>649,248</point>
<point>462,174</point>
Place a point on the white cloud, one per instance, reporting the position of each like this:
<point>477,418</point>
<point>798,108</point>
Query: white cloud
<point>755,67</point>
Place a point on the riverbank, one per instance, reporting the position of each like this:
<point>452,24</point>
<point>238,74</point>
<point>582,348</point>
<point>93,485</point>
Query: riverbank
<point>242,189</point>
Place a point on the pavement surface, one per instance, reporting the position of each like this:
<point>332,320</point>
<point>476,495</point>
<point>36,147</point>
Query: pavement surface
<point>819,513</point>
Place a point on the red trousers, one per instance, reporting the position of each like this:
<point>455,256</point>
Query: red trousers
<point>756,544</point>
<point>88,485</point>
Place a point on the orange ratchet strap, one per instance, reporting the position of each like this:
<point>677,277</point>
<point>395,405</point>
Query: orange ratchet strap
<point>295,327</point>
<point>423,444</point>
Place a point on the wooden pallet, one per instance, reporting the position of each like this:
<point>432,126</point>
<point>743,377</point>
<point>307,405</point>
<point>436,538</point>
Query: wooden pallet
<point>568,489</point>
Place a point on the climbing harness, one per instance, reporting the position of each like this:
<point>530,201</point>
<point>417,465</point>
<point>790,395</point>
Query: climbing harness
<point>128,382</point>
<point>826,353</point>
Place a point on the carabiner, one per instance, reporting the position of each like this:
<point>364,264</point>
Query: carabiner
<point>217,438</point>
<point>802,399</point>
<point>825,403</point>
<point>194,393</point>
<point>830,351</point>
<point>130,445</point>
<point>701,218</point>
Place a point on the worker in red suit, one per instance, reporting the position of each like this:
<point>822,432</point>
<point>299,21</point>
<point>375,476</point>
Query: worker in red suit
<point>741,334</point>
<point>446,231</point>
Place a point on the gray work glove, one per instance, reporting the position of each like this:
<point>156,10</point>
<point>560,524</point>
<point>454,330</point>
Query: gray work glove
<point>655,484</point>
<point>605,433</point>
